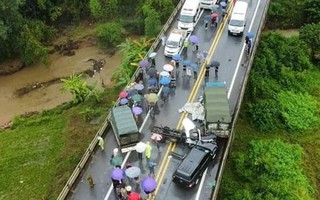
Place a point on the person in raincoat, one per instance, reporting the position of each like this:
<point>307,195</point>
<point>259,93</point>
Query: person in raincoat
<point>148,152</point>
<point>101,143</point>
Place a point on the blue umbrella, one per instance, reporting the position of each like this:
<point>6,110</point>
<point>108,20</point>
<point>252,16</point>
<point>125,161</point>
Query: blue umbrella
<point>123,101</point>
<point>186,62</point>
<point>194,39</point>
<point>207,18</point>
<point>139,86</point>
<point>250,35</point>
<point>152,81</point>
<point>223,4</point>
<point>165,80</point>
<point>166,90</point>
<point>194,66</point>
<point>144,64</point>
<point>176,57</point>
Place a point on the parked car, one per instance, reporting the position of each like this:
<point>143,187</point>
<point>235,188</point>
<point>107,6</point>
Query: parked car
<point>191,169</point>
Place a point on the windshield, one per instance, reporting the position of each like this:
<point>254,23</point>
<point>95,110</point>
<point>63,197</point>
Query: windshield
<point>186,19</point>
<point>172,44</point>
<point>234,22</point>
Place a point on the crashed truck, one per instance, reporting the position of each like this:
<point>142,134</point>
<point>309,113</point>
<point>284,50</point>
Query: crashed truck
<point>217,119</point>
<point>124,128</point>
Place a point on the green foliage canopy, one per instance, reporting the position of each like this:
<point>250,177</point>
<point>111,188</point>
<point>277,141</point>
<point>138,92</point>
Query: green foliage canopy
<point>271,169</point>
<point>310,34</point>
<point>109,34</point>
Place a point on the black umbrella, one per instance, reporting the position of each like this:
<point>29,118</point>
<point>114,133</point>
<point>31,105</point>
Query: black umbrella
<point>214,63</point>
<point>152,72</point>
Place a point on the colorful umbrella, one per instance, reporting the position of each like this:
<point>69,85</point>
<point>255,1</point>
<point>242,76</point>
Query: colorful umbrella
<point>149,184</point>
<point>214,15</point>
<point>117,174</point>
<point>144,64</point>
<point>139,86</point>
<point>136,110</point>
<point>123,101</point>
<point>250,35</point>
<point>168,67</point>
<point>117,161</point>
<point>176,57</point>
<point>156,137</point>
<point>166,90</point>
<point>152,55</point>
<point>164,73</point>
<point>123,94</point>
<point>151,98</point>
<point>194,39</point>
<point>136,97</point>
<point>133,172</point>
<point>165,80</point>
<point>134,196</point>
<point>140,147</point>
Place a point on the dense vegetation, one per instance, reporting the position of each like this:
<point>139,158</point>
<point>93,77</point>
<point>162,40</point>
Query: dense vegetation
<point>275,154</point>
<point>28,27</point>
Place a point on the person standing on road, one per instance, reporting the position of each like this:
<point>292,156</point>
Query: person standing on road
<point>101,143</point>
<point>216,68</point>
<point>151,167</point>
<point>163,40</point>
<point>148,152</point>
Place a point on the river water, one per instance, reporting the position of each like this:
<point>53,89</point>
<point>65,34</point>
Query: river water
<point>49,97</point>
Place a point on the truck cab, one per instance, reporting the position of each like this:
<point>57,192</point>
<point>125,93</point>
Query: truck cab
<point>124,128</point>
<point>174,42</point>
<point>206,4</point>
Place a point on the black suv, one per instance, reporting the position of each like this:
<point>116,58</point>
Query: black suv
<point>190,170</point>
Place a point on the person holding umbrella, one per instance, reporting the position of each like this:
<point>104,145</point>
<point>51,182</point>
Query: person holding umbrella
<point>149,185</point>
<point>148,151</point>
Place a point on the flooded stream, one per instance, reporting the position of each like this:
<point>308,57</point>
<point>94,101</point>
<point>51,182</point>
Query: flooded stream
<point>49,97</point>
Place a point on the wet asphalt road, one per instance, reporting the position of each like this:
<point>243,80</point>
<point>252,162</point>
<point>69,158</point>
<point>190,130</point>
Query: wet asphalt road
<point>227,53</point>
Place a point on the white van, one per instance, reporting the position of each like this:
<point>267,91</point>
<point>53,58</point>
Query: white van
<point>206,4</point>
<point>174,42</point>
<point>189,14</point>
<point>237,20</point>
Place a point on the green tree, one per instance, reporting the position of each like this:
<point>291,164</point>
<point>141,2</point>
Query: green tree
<point>96,9</point>
<point>311,11</point>
<point>152,23</point>
<point>310,34</point>
<point>79,89</point>
<point>272,169</point>
<point>109,34</point>
<point>299,111</point>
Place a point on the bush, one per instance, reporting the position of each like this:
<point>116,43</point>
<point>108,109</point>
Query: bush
<point>265,115</point>
<point>311,35</point>
<point>271,169</point>
<point>109,34</point>
<point>312,11</point>
<point>152,23</point>
<point>298,110</point>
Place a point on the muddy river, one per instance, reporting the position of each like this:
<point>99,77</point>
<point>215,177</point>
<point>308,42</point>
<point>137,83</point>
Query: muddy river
<point>49,97</point>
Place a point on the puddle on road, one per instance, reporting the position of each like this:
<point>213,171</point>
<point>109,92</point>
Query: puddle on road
<point>51,96</point>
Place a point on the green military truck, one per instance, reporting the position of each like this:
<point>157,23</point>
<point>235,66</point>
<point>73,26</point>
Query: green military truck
<point>124,128</point>
<point>218,118</point>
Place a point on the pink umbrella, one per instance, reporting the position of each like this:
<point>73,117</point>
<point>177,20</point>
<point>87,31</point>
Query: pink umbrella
<point>156,137</point>
<point>136,110</point>
<point>123,94</point>
<point>214,15</point>
<point>168,67</point>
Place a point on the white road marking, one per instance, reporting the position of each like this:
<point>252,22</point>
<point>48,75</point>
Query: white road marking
<point>241,54</point>
<point>201,184</point>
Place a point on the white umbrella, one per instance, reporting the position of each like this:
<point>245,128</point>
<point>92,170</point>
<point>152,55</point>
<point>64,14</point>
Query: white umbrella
<point>164,73</point>
<point>140,147</point>
<point>168,67</point>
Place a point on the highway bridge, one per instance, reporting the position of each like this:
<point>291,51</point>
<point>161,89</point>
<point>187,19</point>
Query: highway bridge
<point>234,69</point>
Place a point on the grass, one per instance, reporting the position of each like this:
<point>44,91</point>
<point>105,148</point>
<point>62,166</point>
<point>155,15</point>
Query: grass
<point>40,152</point>
<point>244,133</point>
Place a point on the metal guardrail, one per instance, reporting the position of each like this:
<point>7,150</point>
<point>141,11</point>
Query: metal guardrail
<point>238,106</point>
<point>82,163</point>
